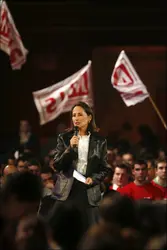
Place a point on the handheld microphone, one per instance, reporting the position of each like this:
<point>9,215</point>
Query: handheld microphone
<point>76,130</point>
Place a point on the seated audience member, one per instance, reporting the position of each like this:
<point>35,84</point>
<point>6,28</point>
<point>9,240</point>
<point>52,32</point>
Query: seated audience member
<point>51,160</point>
<point>162,153</point>
<point>21,164</point>
<point>151,218</point>
<point>118,211</point>
<point>151,168</point>
<point>47,177</point>
<point>103,237</point>
<point>20,195</point>
<point>160,180</point>
<point>127,158</point>
<point>11,160</point>
<point>26,141</point>
<point>158,242</point>
<point>140,188</point>
<point>47,201</point>
<point>47,180</point>
<point>67,225</point>
<point>31,234</point>
<point>118,159</point>
<point>149,142</point>
<point>9,169</point>
<point>34,166</point>
<point>110,156</point>
<point>120,177</point>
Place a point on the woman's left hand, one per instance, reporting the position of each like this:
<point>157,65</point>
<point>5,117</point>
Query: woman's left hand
<point>89,181</point>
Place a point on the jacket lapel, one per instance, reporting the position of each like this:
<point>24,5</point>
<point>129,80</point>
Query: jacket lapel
<point>92,150</point>
<point>92,146</point>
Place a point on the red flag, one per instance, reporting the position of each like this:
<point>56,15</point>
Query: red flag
<point>60,97</point>
<point>126,80</point>
<point>10,40</point>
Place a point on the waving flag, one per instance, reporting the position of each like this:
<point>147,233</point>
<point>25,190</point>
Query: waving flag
<point>60,97</point>
<point>126,80</point>
<point>10,40</point>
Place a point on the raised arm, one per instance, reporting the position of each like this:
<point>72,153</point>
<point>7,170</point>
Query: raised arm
<point>64,156</point>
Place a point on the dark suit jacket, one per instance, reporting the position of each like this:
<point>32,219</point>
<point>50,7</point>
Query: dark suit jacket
<point>65,161</point>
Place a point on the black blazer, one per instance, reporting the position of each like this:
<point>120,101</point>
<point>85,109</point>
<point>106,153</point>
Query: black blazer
<point>65,161</point>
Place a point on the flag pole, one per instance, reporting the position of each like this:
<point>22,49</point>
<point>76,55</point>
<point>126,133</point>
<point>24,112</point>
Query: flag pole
<point>158,112</point>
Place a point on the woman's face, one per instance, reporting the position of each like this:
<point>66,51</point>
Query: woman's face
<point>80,118</point>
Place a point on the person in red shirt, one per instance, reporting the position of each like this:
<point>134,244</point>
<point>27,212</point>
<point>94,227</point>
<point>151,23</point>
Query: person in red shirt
<point>140,188</point>
<point>160,180</point>
<point>120,177</point>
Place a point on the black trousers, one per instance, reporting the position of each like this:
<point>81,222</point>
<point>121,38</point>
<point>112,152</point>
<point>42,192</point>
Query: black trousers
<point>77,196</point>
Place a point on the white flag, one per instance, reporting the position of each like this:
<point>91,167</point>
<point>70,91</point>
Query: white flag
<point>126,80</point>
<point>10,40</point>
<point>60,97</point>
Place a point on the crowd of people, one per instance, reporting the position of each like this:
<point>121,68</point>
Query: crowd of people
<point>121,204</point>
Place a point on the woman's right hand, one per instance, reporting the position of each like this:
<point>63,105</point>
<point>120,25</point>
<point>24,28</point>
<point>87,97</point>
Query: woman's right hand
<point>74,141</point>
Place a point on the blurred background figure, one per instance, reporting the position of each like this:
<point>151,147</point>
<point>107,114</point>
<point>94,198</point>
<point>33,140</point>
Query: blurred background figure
<point>26,141</point>
<point>9,169</point>
<point>148,142</point>
<point>21,164</point>
<point>11,160</point>
<point>127,158</point>
<point>20,195</point>
<point>33,165</point>
<point>67,225</point>
<point>151,167</point>
<point>110,156</point>
<point>31,234</point>
<point>162,153</point>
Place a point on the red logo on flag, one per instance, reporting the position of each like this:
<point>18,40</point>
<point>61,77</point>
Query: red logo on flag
<point>122,76</point>
<point>10,40</point>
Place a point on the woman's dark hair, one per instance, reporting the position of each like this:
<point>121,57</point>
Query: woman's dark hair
<point>92,125</point>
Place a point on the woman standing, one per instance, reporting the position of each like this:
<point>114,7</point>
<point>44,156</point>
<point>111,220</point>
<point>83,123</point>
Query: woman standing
<point>83,150</point>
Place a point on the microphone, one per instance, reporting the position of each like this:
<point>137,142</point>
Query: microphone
<point>76,130</point>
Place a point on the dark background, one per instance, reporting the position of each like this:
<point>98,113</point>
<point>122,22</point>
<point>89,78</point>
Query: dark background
<point>62,36</point>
